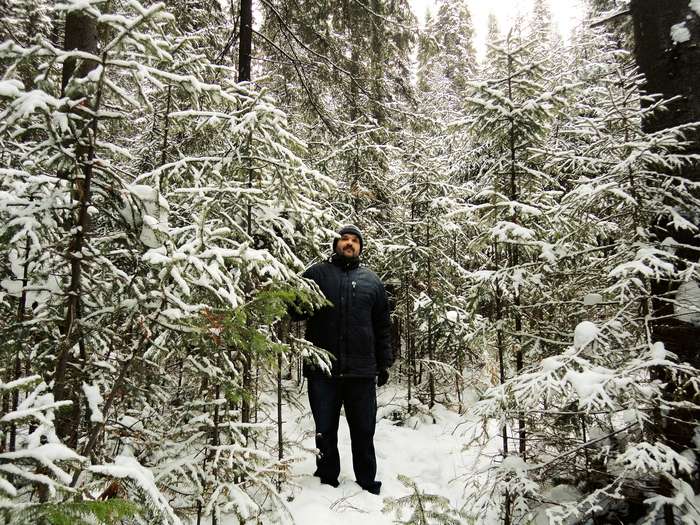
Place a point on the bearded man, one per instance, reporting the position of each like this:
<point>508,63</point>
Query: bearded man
<point>355,329</point>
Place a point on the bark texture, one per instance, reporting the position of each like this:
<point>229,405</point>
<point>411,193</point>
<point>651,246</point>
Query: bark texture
<point>246,41</point>
<point>81,35</point>
<point>672,68</point>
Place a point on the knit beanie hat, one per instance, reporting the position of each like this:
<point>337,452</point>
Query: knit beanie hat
<point>349,228</point>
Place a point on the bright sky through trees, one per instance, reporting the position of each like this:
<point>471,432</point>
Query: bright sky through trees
<point>566,14</point>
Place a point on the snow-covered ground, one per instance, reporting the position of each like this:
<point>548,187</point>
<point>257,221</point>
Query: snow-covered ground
<point>433,455</point>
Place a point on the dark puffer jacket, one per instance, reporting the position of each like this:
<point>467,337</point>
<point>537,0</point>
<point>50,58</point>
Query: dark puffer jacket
<point>356,329</point>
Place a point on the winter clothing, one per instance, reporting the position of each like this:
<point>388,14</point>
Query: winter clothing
<point>358,395</point>
<point>349,228</point>
<point>356,329</point>
<point>382,377</point>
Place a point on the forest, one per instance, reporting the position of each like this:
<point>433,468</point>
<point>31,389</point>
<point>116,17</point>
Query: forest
<point>169,169</point>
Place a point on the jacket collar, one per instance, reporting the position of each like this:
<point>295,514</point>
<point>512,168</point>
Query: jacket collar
<point>345,263</point>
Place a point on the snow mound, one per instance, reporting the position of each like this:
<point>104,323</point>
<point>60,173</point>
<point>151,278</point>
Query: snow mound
<point>592,299</point>
<point>10,88</point>
<point>514,464</point>
<point>658,351</point>
<point>550,364</point>
<point>585,333</point>
<point>680,33</point>
<point>695,6</point>
<point>687,306</point>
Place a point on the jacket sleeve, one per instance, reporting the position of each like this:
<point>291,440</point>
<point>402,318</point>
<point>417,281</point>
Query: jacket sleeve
<point>381,325</point>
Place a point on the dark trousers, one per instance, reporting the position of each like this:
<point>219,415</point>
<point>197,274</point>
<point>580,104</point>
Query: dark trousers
<point>326,396</point>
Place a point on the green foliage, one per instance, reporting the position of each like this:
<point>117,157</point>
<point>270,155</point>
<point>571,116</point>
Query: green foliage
<point>84,512</point>
<point>201,215</point>
<point>425,509</point>
<point>570,213</point>
<point>492,207</point>
<point>247,328</point>
<point>446,55</point>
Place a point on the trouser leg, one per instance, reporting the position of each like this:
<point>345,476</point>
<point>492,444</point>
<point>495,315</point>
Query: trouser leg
<point>360,398</point>
<point>325,401</point>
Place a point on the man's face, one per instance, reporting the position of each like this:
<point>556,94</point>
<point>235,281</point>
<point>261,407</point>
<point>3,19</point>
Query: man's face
<point>348,245</point>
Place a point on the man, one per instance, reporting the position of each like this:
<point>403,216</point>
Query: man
<point>356,331</point>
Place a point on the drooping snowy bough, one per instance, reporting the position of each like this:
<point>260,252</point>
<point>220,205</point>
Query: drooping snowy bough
<point>153,218</point>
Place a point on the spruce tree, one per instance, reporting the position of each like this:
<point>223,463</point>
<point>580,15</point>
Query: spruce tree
<point>197,205</point>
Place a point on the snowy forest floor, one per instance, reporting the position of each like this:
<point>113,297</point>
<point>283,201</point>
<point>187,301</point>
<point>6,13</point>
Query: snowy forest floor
<point>438,456</point>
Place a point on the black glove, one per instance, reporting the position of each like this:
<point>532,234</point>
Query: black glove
<point>382,377</point>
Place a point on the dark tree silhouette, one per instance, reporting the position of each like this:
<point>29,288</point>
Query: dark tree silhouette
<point>672,68</point>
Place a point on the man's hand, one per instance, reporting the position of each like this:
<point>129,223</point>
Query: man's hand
<point>383,377</point>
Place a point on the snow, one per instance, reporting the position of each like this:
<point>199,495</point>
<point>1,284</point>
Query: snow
<point>94,74</point>
<point>27,103</point>
<point>94,399</point>
<point>15,471</point>
<point>548,252</point>
<point>505,230</point>
<point>589,385</point>
<point>148,237</point>
<point>644,457</point>
<point>154,209</point>
<point>514,464</point>
<point>452,316</point>
<point>550,364</point>
<point>18,383</point>
<point>180,281</point>
<point>76,5</point>
<point>680,33</point>
<point>561,493</point>
<point>131,423</point>
<point>483,275</point>
<point>12,286</point>
<point>648,262</point>
<point>10,88</point>
<point>585,333</point>
<point>172,314</point>
<point>658,351</point>
<point>431,454</point>
<point>143,192</point>
<point>46,454</point>
<point>695,6</point>
<point>433,447</point>
<point>592,299</point>
<point>557,495</point>
<point>687,305</point>
<point>7,487</point>
<point>127,466</point>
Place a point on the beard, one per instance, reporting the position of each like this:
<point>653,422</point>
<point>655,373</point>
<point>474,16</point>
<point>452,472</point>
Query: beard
<point>346,253</point>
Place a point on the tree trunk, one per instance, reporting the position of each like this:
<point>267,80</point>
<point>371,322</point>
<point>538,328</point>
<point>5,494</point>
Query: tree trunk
<point>245,47</point>
<point>81,34</point>
<point>672,69</point>
<point>244,75</point>
<point>431,351</point>
<point>409,348</point>
<point>21,313</point>
<point>378,61</point>
<point>284,339</point>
